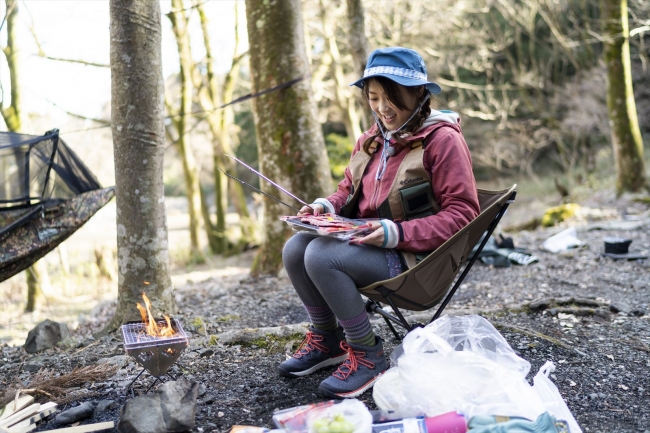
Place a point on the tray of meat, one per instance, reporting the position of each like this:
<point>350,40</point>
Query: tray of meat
<point>329,224</point>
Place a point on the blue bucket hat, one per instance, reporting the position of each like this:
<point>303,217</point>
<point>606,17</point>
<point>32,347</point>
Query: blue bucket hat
<point>401,65</point>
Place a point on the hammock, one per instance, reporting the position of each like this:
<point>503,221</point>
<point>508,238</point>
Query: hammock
<point>46,194</point>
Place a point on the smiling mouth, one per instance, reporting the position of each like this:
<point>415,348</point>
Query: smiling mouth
<point>389,118</point>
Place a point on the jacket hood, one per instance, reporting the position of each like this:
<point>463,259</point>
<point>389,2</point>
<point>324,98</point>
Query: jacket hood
<point>437,119</point>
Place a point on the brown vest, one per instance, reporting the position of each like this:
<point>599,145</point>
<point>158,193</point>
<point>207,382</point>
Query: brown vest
<point>410,195</point>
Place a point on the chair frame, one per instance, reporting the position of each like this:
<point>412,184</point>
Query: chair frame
<point>373,306</point>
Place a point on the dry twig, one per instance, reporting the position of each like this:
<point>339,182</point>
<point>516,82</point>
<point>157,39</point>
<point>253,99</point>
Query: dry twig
<point>56,388</point>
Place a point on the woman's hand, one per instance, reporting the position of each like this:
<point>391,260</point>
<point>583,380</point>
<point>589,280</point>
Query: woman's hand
<point>375,238</point>
<point>313,209</point>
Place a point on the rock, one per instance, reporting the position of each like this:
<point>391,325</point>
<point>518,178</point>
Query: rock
<point>104,405</point>
<point>617,307</point>
<point>118,361</point>
<point>206,352</point>
<point>33,366</point>
<point>46,335</point>
<point>172,408</point>
<point>637,312</point>
<point>202,390</point>
<point>603,312</point>
<point>83,411</point>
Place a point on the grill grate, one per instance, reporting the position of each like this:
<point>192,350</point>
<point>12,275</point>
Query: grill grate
<point>135,335</point>
<point>154,354</point>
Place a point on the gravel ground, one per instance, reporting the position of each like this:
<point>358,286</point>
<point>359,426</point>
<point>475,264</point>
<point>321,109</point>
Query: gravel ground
<point>602,359</point>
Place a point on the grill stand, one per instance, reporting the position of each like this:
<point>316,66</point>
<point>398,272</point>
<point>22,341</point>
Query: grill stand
<point>156,355</point>
<point>156,380</point>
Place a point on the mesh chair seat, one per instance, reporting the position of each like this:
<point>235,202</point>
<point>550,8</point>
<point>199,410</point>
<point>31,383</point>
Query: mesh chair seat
<point>428,283</point>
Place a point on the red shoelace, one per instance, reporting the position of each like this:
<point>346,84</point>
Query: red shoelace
<point>311,342</point>
<point>355,357</point>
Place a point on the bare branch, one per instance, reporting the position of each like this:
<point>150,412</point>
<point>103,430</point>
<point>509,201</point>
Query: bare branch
<point>80,116</point>
<point>83,62</point>
<point>7,14</point>
<point>476,87</point>
<point>639,30</point>
<point>42,54</point>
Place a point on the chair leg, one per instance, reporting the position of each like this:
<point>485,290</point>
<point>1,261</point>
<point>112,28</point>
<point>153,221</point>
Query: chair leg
<point>469,265</point>
<point>375,307</point>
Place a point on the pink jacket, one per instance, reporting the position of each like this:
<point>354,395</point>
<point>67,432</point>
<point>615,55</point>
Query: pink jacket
<point>447,160</point>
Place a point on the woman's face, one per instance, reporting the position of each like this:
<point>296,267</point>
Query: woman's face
<point>391,116</point>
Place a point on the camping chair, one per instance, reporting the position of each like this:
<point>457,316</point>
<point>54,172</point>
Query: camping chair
<point>423,286</point>
<point>46,194</point>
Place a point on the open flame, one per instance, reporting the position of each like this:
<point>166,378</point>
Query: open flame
<point>151,326</point>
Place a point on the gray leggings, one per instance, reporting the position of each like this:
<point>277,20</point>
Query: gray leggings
<point>328,271</point>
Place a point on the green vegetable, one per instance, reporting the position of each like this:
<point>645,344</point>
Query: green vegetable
<point>338,424</point>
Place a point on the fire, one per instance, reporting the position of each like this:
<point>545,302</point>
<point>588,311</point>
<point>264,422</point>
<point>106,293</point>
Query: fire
<point>154,329</point>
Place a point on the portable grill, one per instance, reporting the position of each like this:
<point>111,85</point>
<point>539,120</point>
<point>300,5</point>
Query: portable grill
<point>155,354</point>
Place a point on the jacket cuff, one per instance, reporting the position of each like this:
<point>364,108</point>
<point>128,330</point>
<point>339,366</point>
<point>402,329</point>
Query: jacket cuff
<point>327,206</point>
<point>391,233</point>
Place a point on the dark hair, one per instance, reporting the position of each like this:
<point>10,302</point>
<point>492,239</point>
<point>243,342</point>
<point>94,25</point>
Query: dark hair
<point>392,91</point>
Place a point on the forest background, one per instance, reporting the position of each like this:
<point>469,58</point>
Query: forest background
<point>528,78</point>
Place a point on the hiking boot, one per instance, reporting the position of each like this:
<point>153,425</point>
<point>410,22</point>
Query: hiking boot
<point>319,349</point>
<point>358,373</point>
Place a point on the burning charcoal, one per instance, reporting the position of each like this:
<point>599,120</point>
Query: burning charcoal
<point>45,335</point>
<point>83,411</point>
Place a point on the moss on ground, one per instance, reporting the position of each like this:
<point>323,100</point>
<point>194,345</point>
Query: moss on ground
<point>274,343</point>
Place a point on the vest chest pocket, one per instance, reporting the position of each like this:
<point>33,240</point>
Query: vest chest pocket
<point>417,201</point>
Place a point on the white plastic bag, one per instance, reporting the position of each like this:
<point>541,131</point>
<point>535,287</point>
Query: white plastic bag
<point>563,241</point>
<point>458,363</point>
<point>551,398</point>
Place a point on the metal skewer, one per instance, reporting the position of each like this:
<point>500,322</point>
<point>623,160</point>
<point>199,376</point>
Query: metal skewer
<point>269,181</point>
<point>259,190</point>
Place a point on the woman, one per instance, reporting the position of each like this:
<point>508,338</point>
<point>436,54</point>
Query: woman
<point>412,169</point>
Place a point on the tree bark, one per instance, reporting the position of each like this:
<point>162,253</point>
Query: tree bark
<point>358,46</point>
<point>623,119</point>
<point>139,143</point>
<point>37,280</point>
<point>290,140</point>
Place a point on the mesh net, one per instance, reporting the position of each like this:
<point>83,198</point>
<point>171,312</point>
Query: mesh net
<point>35,169</point>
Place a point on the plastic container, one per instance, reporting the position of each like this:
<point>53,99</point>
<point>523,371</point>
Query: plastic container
<point>451,422</point>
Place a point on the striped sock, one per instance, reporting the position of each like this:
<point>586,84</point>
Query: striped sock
<point>358,330</point>
<point>322,318</point>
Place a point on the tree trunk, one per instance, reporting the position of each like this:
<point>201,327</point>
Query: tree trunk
<point>139,143</point>
<point>38,281</point>
<point>36,275</point>
<point>344,96</point>
<point>623,119</point>
<point>190,170</point>
<point>290,141</point>
<point>220,138</point>
<point>358,46</point>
